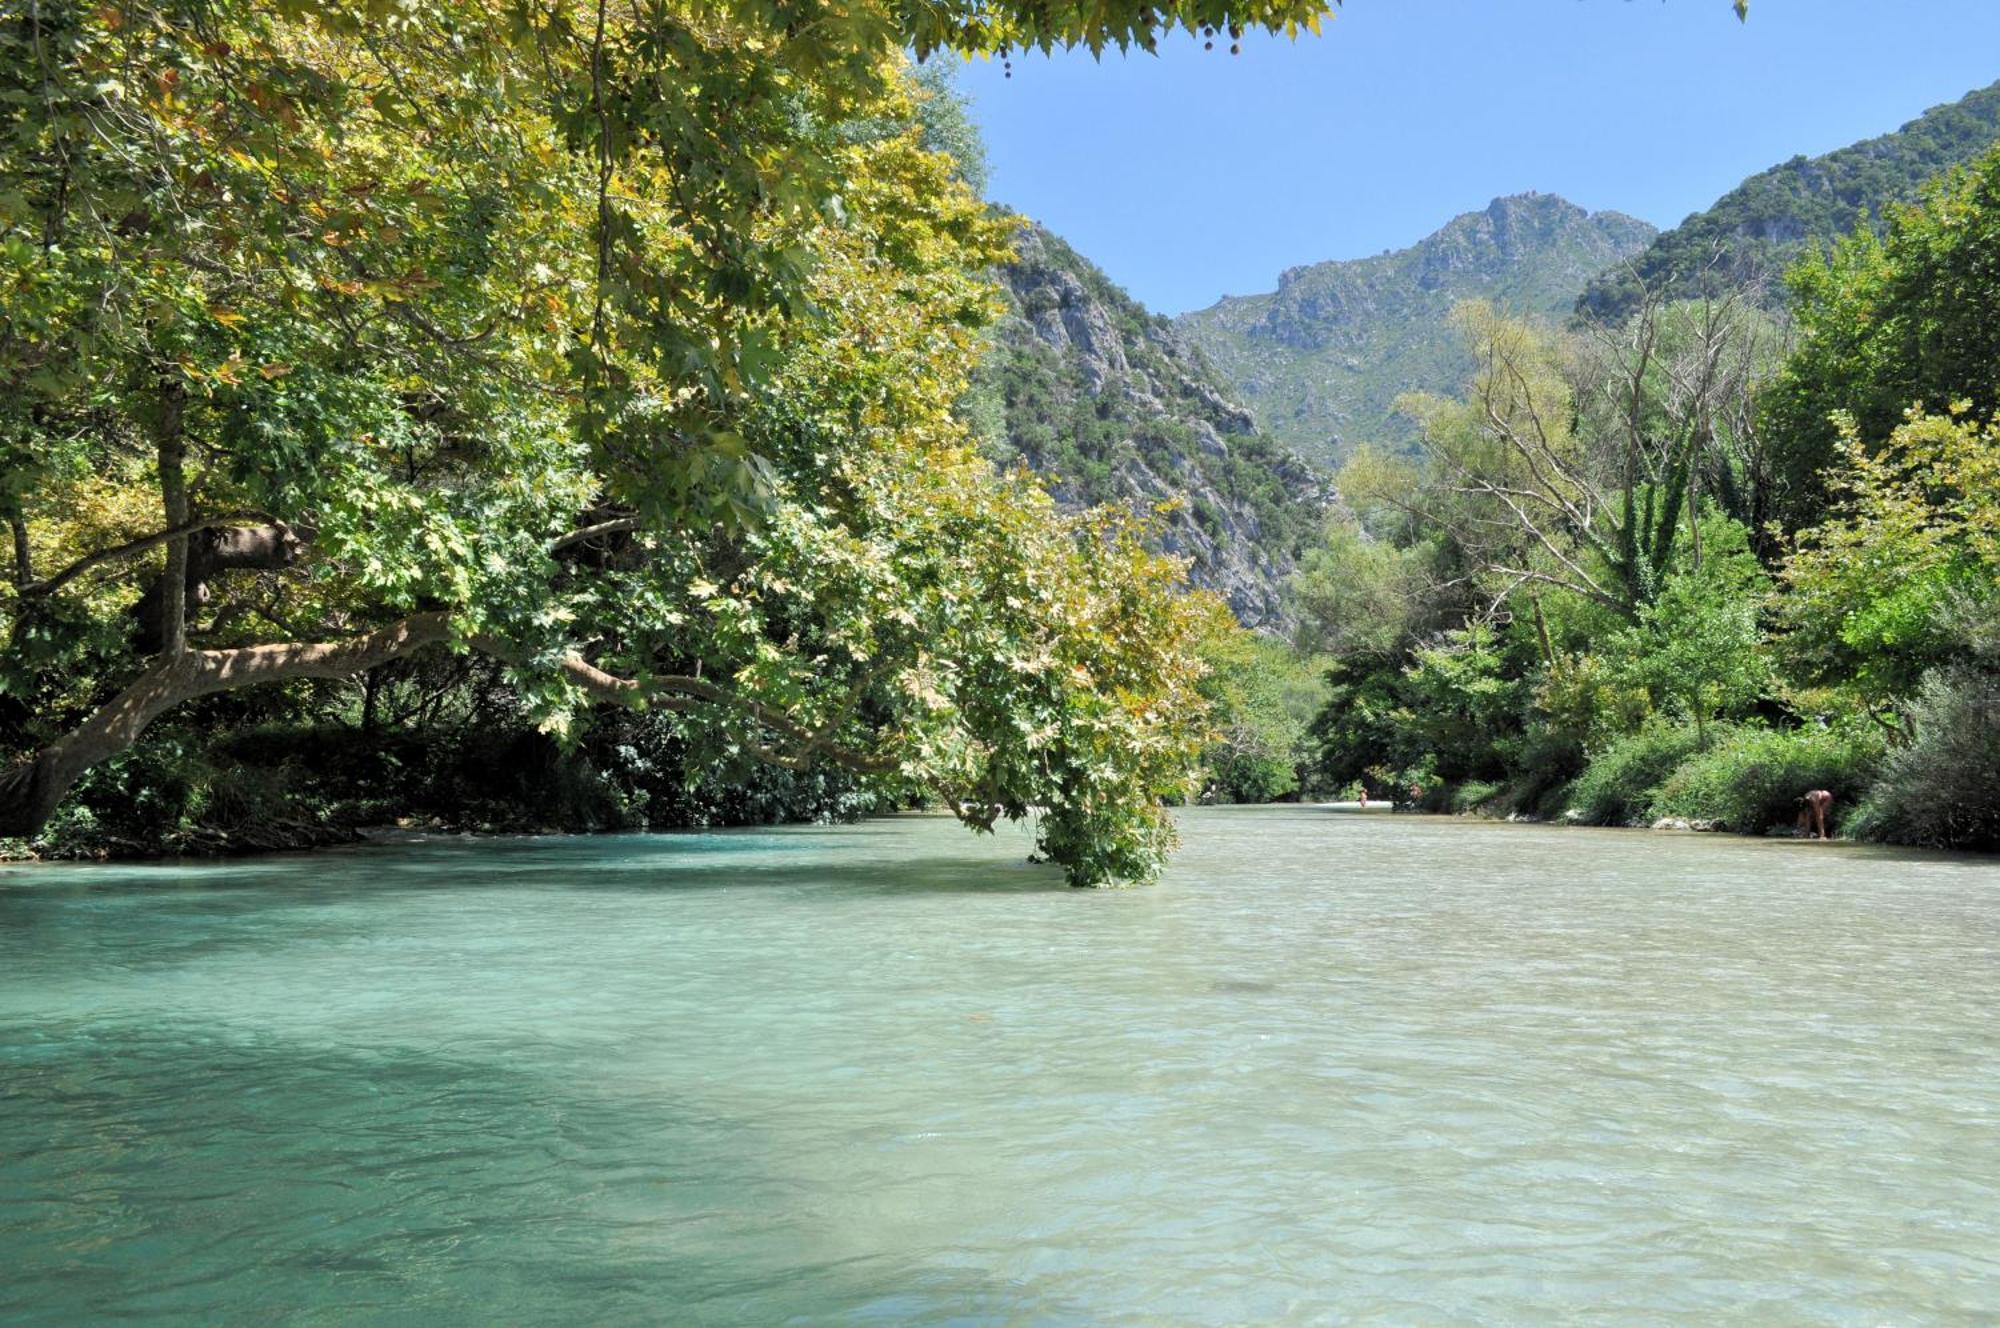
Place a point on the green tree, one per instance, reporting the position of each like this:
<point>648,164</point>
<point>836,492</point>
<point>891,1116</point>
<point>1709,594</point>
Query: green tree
<point>1581,465</point>
<point>1263,696</point>
<point>1462,699</point>
<point>1889,322</point>
<point>1696,647</point>
<point>1359,732</point>
<point>1359,595</point>
<point>1882,591</point>
<point>552,351</point>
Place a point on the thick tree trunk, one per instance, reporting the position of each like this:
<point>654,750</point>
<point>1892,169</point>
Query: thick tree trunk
<point>174,499</point>
<point>24,564</point>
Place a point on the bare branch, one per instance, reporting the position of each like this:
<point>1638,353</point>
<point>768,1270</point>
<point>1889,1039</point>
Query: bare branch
<point>617,526</point>
<point>131,548</point>
<point>1523,576</point>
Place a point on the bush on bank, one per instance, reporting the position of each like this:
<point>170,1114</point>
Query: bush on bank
<point>284,785</point>
<point>1618,787</point>
<point>1943,789</point>
<point>1750,780</point>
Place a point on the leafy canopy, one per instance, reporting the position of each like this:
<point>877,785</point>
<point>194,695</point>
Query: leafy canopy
<point>604,341</point>
<point>1887,322</point>
<point>1875,590</point>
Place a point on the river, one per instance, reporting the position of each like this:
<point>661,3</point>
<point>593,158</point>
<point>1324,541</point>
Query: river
<point>1333,1069</point>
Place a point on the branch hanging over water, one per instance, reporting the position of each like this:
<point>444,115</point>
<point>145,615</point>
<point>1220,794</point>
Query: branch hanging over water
<point>34,788</point>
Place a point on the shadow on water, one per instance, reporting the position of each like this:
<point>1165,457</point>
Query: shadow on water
<point>584,862</point>
<point>152,917</point>
<point>885,877</point>
<point>181,1173</point>
<point>195,912</point>
<point>889,877</point>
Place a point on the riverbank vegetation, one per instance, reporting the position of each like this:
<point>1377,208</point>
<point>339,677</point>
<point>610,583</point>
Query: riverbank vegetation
<point>541,415</point>
<point>574,418</point>
<point>1698,562</point>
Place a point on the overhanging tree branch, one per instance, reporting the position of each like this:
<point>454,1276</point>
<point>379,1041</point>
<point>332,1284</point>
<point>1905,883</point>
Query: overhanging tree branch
<point>34,788</point>
<point>132,548</point>
<point>616,526</point>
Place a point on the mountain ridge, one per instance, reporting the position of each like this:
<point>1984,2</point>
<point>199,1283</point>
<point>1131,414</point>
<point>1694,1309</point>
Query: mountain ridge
<point>1752,233</point>
<point>1111,403</point>
<point>1321,359</point>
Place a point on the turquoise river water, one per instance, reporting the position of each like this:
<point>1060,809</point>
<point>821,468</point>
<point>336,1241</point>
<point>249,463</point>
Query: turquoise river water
<point>1334,1069</point>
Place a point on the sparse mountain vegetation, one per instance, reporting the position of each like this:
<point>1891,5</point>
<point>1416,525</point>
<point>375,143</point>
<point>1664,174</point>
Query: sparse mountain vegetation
<point>1756,231</point>
<point>1110,404</point>
<point>1322,360</point>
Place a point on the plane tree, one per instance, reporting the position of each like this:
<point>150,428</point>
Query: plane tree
<point>589,338</point>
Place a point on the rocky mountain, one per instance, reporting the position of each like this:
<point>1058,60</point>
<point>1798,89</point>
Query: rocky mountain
<point>1322,359</point>
<point>1758,229</point>
<point>1112,404</point>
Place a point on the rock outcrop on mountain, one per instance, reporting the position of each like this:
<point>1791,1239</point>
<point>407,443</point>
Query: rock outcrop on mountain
<point>1322,359</point>
<point>1112,404</point>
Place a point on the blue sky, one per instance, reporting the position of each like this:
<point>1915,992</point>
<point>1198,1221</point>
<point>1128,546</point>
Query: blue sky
<point>1197,174</point>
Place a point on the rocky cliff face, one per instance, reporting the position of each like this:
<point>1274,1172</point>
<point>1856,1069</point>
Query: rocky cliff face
<point>1111,404</point>
<point>1322,359</point>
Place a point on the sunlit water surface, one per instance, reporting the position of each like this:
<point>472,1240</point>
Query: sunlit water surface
<point>1335,1069</point>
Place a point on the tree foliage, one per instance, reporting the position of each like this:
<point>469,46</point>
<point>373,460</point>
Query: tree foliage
<point>1697,648</point>
<point>1560,606</point>
<point>602,341</point>
<point>1879,590</point>
<point>1263,697</point>
<point>1888,322</point>
<point>1580,463</point>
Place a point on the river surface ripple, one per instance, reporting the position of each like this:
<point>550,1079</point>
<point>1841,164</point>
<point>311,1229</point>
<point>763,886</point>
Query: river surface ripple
<point>1335,1069</point>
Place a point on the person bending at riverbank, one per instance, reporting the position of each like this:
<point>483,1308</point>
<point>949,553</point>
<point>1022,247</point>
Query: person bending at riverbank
<point>1813,809</point>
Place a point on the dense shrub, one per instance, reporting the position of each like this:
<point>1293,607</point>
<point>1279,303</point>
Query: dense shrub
<point>1618,786</point>
<point>277,785</point>
<point>1751,780</point>
<point>141,797</point>
<point>1943,790</point>
<point>1472,795</point>
<point>1543,763</point>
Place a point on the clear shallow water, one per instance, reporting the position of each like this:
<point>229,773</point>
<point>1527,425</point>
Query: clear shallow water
<point>1334,1069</point>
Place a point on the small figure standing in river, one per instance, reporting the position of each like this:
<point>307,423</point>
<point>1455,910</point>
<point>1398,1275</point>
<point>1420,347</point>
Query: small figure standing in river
<point>1813,808</point>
